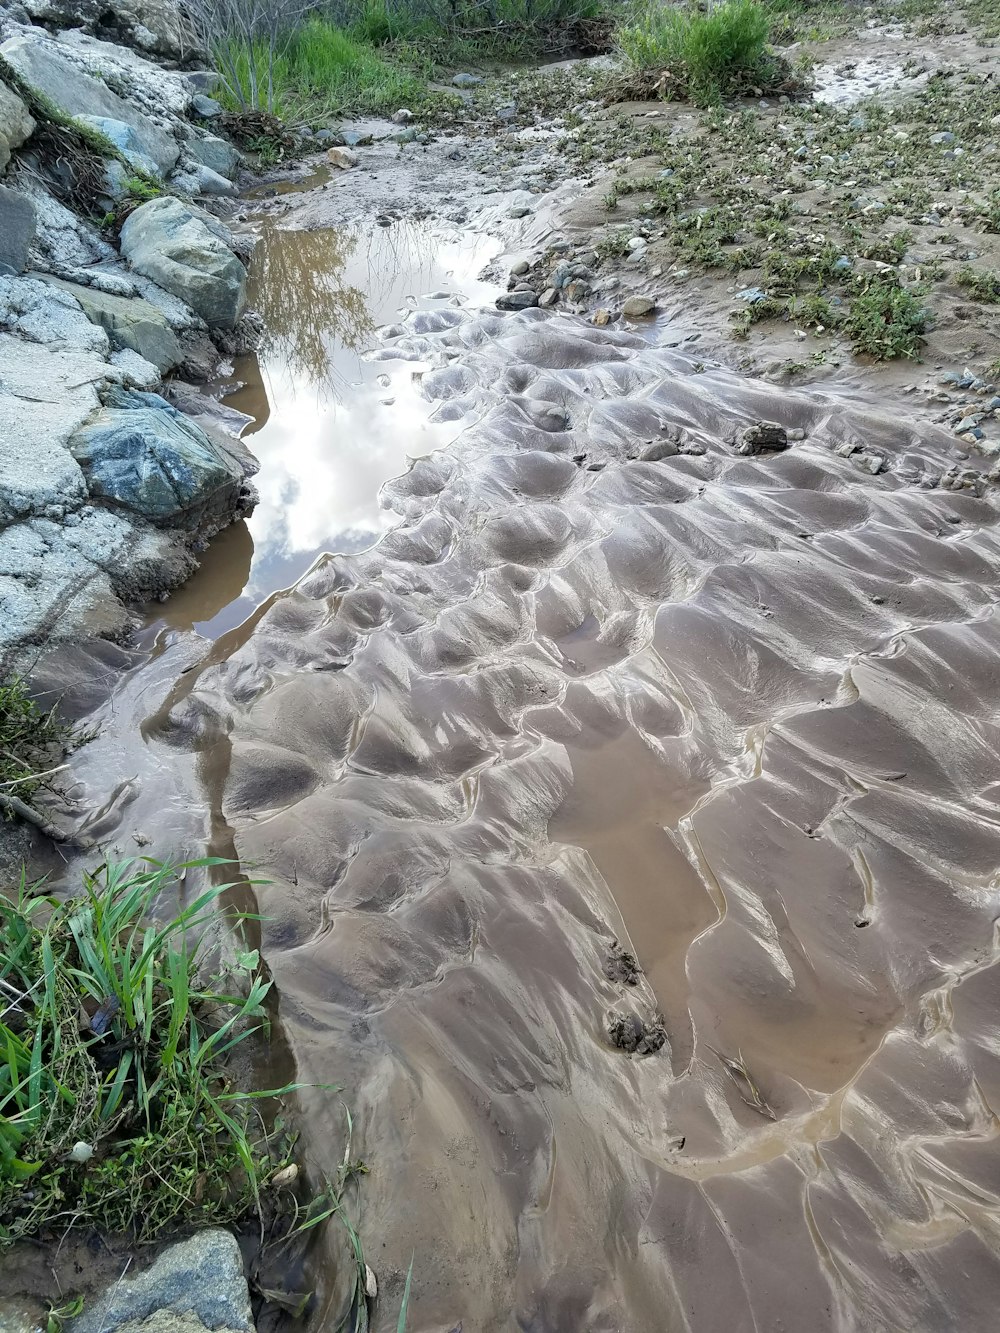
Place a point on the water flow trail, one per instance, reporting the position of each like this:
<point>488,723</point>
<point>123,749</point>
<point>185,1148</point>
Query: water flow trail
<point>608,687</point>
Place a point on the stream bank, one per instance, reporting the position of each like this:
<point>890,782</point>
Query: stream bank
<point>625,817</point>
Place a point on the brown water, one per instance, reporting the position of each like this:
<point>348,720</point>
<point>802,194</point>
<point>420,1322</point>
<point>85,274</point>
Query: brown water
<point>606,680</point>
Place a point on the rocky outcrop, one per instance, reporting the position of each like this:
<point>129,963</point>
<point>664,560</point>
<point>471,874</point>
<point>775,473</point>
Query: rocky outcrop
<point>142,455</point>
<point>157,26</point>
<point>15,124</point>
<point>17,230</point>
<point>196,1284</point>
<point>43,67</point>
<point>130,322</point>
<point>179,248</point>
<point>103,490</point>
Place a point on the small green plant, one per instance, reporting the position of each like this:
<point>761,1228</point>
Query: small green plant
<point>29,739</point>
<point>704,55</point>
<point>980,284</point>
<point>886,320</point>
<point>117,1107</point>
<point>142,188</point>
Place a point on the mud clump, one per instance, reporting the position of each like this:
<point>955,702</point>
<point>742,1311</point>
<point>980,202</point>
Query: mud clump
<point>622,966</point>
<point>635,1035</point>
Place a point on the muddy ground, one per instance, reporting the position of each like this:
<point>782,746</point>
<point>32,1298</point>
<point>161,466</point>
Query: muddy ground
<point>625,821</point>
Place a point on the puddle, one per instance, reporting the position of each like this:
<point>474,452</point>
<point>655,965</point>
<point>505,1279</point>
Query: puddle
<point>330,426</point>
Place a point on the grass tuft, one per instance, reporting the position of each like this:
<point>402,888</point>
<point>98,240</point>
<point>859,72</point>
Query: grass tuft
<point>886,320</point>
<point>705,55</point>
<point>117,1106</point>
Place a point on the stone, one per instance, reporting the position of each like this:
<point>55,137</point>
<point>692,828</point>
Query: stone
<point>602,317</point>
<point>205,107</point>
<point>869,462</point>
<point>355,139</point>
<point>549,297</point>
<point>521,267</point>
<point>125,139</point>
<point>16,124</point>
<point>17,230</point>
<point>147,458</point>
<point>130,323</point>
<point>158,26</point>
<point>196,179</point>
<point>326,136</point>
<point>209,150</point>
<point>517,301</point>
<point>637,307</point>
<point>344,158</point>
<point>466,81</point>
<point>943,138</point>
<point>177,247</point>
<point>201,80</point>
<point>519,211</point>
<point>402,116</point>
<point>762,435</point>
<point>201,1277</point>
<point>41,65</point>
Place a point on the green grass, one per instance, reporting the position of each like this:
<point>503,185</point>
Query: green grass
<point>980,284</point>
<point>320,73</point>
<point>886,321</point>
<point>704,55</point>
<point>29,739</point>
<point>117,1109</point>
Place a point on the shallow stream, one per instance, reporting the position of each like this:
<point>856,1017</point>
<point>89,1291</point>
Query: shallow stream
<point>607,684</point>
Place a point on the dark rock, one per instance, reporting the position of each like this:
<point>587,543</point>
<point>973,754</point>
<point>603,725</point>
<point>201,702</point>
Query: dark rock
<point>205,107</point>
<point>517,301</point>
<point>143,455</point>
<point>762,435</point>
<point>17,230</point>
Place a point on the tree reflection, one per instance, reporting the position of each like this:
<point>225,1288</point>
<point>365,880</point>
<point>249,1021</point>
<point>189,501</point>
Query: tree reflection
<point>297,285</point>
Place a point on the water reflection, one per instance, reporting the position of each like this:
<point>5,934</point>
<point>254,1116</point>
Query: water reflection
<point>330,427</point>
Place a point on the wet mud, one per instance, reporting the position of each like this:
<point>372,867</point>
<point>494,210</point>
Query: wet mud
<point>612,688</point>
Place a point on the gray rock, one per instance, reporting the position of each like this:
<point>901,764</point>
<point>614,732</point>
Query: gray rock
<point>205,107</point>
<point>176,247</point>
<point>39,63</point>
<point>636,307</point>
<point>517,301</point>
<point>130,323</point>
<point>152,461</point>
<point>466,80</point>
<point>216,153</point>
<point>202,1277</point>
<point>521,267</point>
<point>17,230</point>
<point>201,80</point>
<point>355,139</point>
<point>548,298</point>
<point>197,179</point>
<point>944,138</point>
<point>125,139</point>
<point>402,117</point>
<point>159,26</point>
<point>323,137</point>
<point>519,211</point>
<point>15,124</point>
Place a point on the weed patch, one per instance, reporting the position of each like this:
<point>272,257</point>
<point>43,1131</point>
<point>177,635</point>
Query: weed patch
<point>706,55</point>
<point>117,1109</point>
<point>980,285</point>
<point>886,321</point>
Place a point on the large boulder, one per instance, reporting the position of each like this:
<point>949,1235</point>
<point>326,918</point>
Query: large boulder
<point>158,26</point>
<point>17,230</point>
<point>217,154</point>
<point>174,245</point>
<point>150,460</point>
<point>200,1279</point>
<point>125,139</point>
<point>130,323</point>
<point>40,64</point>
<point>15,124</point>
